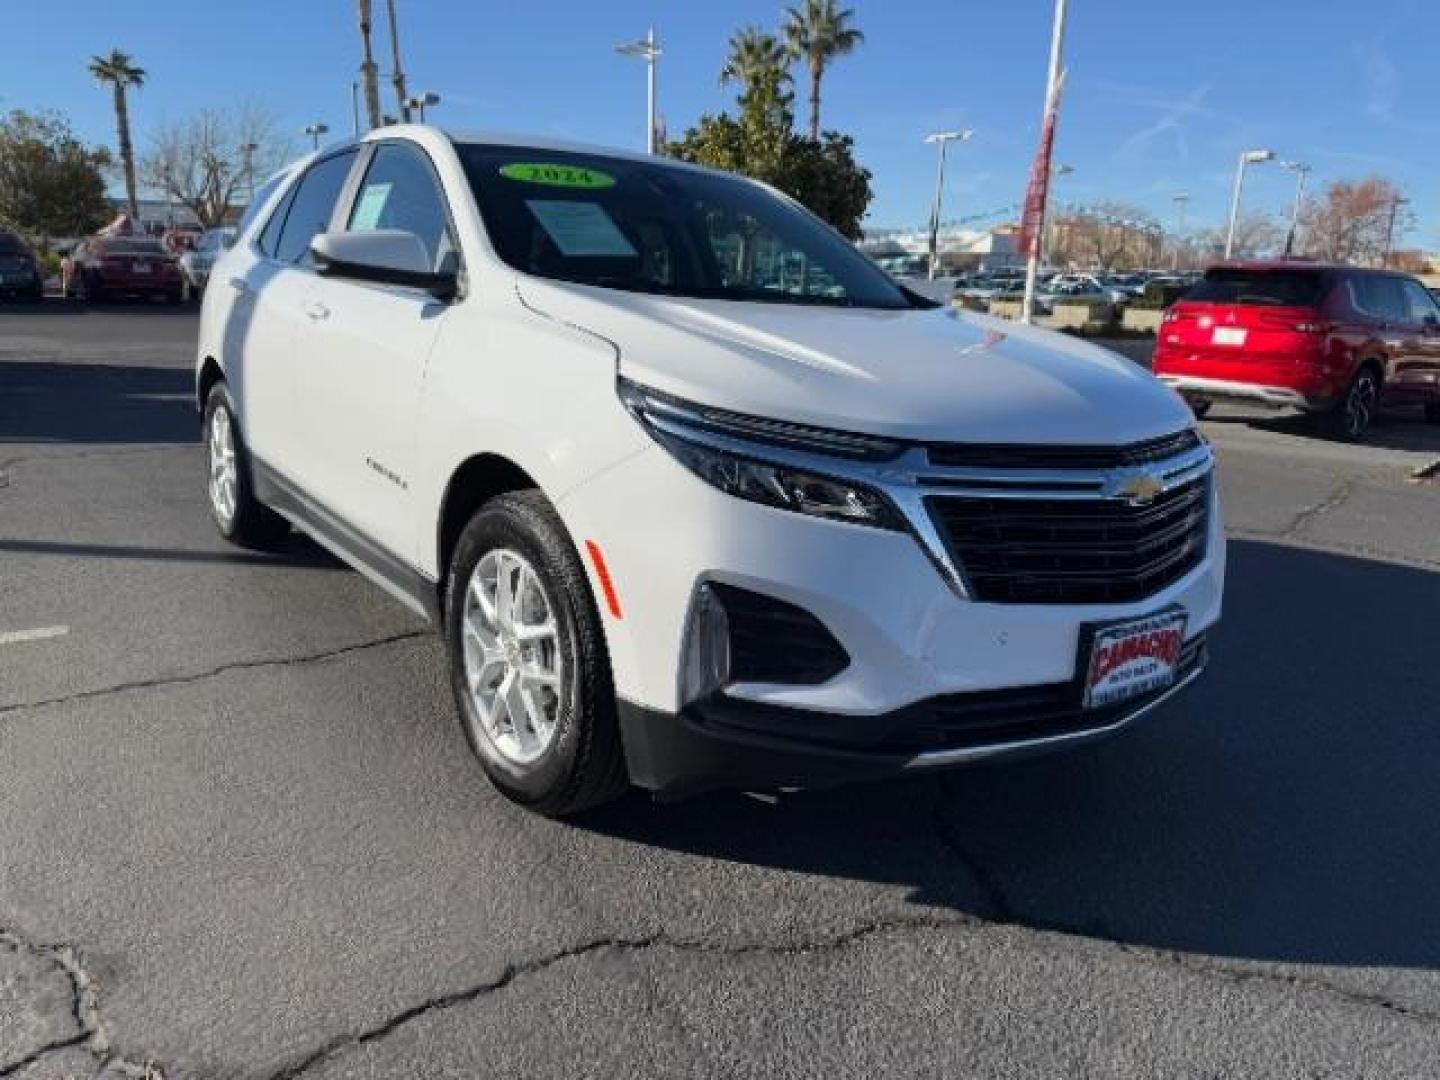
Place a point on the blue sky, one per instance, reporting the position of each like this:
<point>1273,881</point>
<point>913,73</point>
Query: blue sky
<point>1160,99</point>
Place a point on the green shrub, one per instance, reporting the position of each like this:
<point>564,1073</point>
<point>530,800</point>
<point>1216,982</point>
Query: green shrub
<point>49,263</point>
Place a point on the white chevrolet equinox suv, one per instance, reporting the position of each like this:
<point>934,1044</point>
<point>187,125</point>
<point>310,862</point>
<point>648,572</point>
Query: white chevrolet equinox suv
<point>698,495</point>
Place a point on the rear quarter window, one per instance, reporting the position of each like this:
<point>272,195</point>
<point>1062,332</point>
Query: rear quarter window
<point>1261,287</point>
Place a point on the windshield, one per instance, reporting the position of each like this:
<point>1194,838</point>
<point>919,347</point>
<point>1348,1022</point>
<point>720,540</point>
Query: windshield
<point>653,228</point>
<point>1258,285</point>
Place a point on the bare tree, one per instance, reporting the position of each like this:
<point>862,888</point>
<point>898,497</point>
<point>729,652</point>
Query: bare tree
<point>205,161</point>
<point>1355,222</point>
<point>1108,235</point>
<point>1255,234</point>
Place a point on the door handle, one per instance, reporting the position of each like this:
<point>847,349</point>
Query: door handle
<point>316,310</point>
<point>239,284</point>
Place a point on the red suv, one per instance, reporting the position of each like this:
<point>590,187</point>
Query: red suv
<point>1332,340</point>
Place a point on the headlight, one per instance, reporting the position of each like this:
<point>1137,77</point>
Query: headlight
<point>728,451</point>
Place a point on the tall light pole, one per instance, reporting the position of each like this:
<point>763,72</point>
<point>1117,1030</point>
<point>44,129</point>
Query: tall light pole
<point>315,131</point>
<point>420,101</point>
<point>1181,199</point>
<point>648,49</point>
<point>397,77</point>
<point>943,139</point>
<point>1052,90</point>
<point>1249,157</point>
<point>1301,171</point>
<point>1395,205</point>
<point>248,151</point>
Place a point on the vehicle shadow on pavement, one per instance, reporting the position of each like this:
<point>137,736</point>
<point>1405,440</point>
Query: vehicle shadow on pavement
<point>96,403</point>
<point>1288,809</point>
<point>1396,428</point>
<point>298,551</point>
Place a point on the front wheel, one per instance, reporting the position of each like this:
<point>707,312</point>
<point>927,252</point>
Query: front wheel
<point>241,518</point>
<point>528,662</point>
<point>1200,407</point>
<point>1351,418</point>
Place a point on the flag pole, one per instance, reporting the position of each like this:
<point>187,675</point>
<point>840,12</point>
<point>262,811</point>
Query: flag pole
<point>1036,227</point>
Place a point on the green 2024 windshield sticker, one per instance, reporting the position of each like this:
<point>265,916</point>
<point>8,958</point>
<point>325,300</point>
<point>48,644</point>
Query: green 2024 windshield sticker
<point>557,175</point>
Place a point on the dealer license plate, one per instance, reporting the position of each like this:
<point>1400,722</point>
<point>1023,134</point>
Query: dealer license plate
<point>1228,335</point>
<point>1131,659</point>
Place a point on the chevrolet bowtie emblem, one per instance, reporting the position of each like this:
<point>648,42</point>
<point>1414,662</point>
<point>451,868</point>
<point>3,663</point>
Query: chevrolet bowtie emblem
<point>1141,489</point>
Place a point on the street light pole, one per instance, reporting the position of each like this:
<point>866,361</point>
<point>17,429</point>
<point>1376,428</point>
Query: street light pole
<point>315,131</point>
<point>1181,199</point>
<point>944,139</point>
<point>1395,205</point>
<point>1301,171</point>
<point>421,101</point>
<point>648,49</point>
<point>248,150</point>
<point>1249,157</point>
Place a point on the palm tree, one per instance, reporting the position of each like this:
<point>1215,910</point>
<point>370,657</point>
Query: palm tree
<point>755,56</point>
<point>818,33</point>
<point>119,71</point>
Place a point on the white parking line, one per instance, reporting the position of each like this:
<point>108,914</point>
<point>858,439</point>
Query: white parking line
<point>40,633</point>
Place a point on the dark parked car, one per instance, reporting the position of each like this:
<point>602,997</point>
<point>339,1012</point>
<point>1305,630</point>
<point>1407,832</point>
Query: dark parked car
<point>122,266</point>
<point>1331,340</point>
<point>19,269</point>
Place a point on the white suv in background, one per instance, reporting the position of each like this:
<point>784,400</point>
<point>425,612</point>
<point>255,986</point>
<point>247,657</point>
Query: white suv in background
<point>699,496</point>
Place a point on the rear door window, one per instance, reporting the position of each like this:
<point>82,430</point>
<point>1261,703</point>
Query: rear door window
<point>1260,286</point>
<point>1380,297</point>
<point>312,206</point>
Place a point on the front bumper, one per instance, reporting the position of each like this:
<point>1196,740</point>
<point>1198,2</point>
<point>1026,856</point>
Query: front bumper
<point>721,742</point>
<point>913,639</point>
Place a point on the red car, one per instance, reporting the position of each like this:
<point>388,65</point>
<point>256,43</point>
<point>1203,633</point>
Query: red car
<point>1335,341</point>
<point>121,265</point>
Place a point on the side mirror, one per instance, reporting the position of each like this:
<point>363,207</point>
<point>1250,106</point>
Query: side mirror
<point>382,256</point>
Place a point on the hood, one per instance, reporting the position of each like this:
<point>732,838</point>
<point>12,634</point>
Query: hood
<point>929,375</point>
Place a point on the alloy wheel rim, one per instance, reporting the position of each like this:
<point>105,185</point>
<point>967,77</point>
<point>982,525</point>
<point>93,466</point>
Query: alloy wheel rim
<point>1360,405</point>
<point>513,666</point>
<point>222,465</point>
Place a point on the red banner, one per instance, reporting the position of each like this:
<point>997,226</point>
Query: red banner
<point>1037,192</point>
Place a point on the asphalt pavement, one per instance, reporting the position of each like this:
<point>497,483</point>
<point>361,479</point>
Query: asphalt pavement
<point>241,834</point>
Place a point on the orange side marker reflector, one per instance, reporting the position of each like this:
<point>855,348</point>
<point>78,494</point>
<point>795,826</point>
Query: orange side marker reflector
<point>612,599</point>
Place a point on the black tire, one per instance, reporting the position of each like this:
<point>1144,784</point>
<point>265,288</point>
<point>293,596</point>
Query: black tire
<point>1352,416</point>
<point>583,764</point>
<point>1432,412</point>
<point>1200,407</point>
<point>175,296</point>
<point>252,524</point>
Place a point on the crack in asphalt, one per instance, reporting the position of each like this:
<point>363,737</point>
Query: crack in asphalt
<point>91,1033</point>
<point>1004,912</point>
<point>539,965</point>
<point>210,673</point>
<point>1344,488</point>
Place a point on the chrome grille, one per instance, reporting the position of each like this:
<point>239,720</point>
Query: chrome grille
<point>1074,550</point>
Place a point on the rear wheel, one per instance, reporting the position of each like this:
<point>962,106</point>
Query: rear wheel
<point>1432,413</point>
<point>241,518</point>
<point>1351,418</point>
<point>528,663</point>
